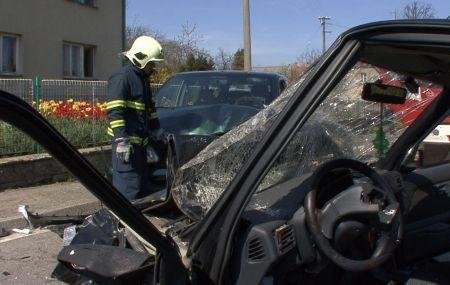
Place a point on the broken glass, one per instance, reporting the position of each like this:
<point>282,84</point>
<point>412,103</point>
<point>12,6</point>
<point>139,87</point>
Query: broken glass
<point>343,125</point>
<point>199,183</point>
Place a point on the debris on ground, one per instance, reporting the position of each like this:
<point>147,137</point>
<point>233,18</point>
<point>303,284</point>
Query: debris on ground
<point>23,231</point>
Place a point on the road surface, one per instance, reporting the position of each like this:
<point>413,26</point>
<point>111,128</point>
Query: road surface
<point>29,259</point>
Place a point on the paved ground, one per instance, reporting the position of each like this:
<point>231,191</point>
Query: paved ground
<point>29,259</point>
<point>68,198</point>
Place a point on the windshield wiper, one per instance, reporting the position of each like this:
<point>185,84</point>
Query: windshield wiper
<point>221,133</point>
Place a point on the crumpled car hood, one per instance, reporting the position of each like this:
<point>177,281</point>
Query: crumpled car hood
<point>205,119</point>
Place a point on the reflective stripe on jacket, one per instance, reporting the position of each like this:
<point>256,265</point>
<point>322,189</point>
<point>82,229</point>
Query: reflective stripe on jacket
<point>130,107</point>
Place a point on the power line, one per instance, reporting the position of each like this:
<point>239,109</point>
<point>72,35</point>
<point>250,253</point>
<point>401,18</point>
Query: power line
<point>339,26</point>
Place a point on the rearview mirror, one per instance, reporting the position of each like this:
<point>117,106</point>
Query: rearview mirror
<point>382,93</point>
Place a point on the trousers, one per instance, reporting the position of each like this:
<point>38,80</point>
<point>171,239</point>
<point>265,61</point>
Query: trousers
<point>131,178</point>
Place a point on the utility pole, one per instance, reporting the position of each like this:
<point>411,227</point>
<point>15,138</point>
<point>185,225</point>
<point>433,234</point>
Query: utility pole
<point>323,21</point>
<point>247,40</point>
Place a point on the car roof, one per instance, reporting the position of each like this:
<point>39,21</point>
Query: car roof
<point>232,72</point>
<point>407,23</point>
<point>415,47</point>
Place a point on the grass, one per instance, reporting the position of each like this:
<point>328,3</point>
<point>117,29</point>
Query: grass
<point>82,133</point>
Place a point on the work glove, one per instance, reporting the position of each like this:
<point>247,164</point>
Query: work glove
<point>152,156</point>
<point>124,149</point>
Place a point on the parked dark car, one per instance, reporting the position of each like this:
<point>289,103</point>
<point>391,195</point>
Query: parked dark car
<point>322,186</point>
<point>198,107</point>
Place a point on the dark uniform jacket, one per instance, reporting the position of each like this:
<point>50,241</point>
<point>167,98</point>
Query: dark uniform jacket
<point>130,107</point>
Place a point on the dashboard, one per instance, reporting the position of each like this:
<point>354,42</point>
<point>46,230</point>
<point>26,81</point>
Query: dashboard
<point>274,226</point>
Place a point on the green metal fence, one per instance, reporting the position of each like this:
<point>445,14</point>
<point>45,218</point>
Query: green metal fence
<point>13,141</point>
<point>75,107</point>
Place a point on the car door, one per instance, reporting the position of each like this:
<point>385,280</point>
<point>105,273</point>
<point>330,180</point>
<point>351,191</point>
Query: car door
<point>429,181</point>
<point>19,114</point>
<point>426,198</point>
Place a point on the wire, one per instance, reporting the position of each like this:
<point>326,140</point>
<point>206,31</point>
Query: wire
<point>339,26</point>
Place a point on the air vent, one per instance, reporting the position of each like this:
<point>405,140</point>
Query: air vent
<point>284,238</point>
<point>256,250</point>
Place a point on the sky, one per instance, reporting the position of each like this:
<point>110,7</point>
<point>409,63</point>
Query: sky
<point>281,30</point>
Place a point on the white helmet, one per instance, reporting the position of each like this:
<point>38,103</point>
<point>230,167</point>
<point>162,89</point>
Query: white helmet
<point>144,50</point>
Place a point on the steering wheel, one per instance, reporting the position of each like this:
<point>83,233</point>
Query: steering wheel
<point>356,200</point>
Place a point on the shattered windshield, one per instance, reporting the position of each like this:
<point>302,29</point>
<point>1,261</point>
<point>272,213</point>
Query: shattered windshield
<point>199,183</point>
<point>344,125</point>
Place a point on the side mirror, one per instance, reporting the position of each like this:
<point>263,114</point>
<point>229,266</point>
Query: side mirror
<point>382,93</point>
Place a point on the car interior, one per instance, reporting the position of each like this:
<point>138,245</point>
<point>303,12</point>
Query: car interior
<point>350,221</point>
<point>421,246</point>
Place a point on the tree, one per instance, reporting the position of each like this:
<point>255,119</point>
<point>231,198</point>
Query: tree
<point>199,62</point>
<point>163,73</point>
<point>180,53</point>
<point>133,32</point>
<point>310,56</point>
<point>294,71</point>
<point>238,59</point>
<point>418,10</point>
<point>189,38</point>
<point>223,60</point>
<point>136,30</point>
<point>177,50</point>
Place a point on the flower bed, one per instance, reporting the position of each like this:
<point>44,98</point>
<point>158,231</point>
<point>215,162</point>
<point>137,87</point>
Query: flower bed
<point>82,123</point>
<point>73,109</point>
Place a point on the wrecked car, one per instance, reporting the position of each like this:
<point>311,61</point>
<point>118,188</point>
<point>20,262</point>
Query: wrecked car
<point>322,186</point>
<point>198,107</point>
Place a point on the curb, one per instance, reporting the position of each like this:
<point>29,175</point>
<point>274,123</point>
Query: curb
<point>38,169</point>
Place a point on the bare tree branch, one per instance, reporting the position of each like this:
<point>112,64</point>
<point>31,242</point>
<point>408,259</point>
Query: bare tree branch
<point>189,37</point>
<point>223,60</point>
<point>309,56</point>
<point>293,72</point>
<point>418,10</point>
<point>176,51</point>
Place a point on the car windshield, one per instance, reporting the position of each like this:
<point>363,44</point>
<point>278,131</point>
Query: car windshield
<point>206,88</point>
<point>344,125</point>
<point>199,182</point>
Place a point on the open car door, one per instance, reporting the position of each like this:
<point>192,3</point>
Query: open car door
<point>100,259</point>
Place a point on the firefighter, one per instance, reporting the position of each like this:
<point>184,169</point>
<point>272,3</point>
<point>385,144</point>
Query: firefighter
<point>133,119</point>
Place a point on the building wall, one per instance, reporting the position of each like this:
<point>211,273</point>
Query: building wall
<point>45,24</point>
